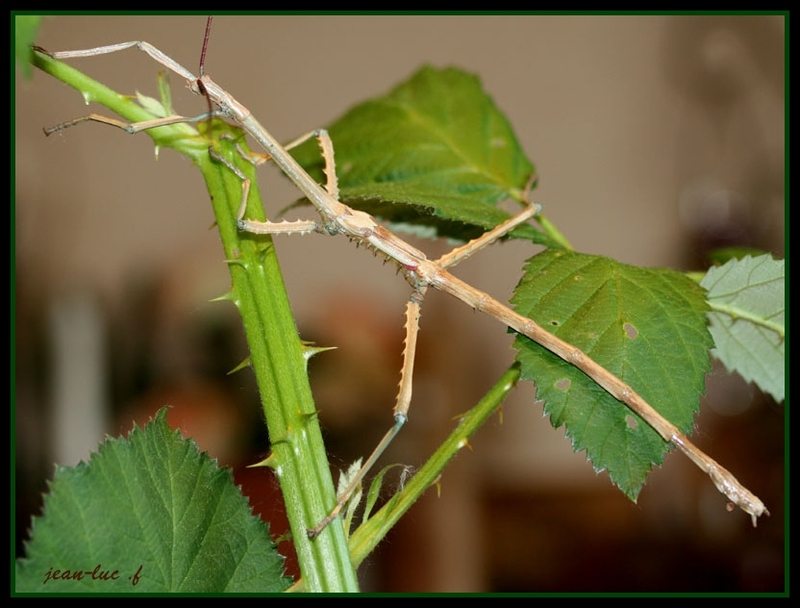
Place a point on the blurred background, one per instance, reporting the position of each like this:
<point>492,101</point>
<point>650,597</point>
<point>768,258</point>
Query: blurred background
<point>656,139</point>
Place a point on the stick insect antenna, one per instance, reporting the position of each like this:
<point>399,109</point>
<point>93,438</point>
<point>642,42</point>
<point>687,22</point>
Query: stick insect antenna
<point>205,47</point>
<point>202,68</point>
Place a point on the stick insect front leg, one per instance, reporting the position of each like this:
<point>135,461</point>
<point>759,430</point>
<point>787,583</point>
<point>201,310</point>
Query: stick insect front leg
<point>129,127</point>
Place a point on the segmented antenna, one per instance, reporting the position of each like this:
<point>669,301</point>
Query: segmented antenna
<point>202,69</point>
<point>205,46</point>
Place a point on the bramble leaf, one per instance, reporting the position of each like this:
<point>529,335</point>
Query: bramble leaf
<point>149,513</point>
<point>747,297</point>
<point>646,326</point>
<point>434,157</point>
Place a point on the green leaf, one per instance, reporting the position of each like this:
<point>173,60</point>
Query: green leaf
<point>434,157</point>
<point>747,298</point>
<point>646,326</point>
<point>25,29</point>
<point>157,512</point>
<point>375,489</point>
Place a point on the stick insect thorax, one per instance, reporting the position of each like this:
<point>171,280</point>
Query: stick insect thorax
<point>342,219</point>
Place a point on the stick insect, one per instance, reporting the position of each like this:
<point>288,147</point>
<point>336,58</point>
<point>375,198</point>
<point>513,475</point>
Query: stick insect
<point>420,272</point>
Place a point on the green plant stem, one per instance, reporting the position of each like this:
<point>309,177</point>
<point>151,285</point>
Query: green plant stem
<point>278,360</point>
<point>277,356</point>
<point>371,532</point>
<point>553,232</point>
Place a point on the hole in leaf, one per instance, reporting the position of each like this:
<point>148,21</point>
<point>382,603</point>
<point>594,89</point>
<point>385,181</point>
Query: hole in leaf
<point>563,384</point>
<point>554,323</point>
<point>631,422</point>
<point>631,331</point>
